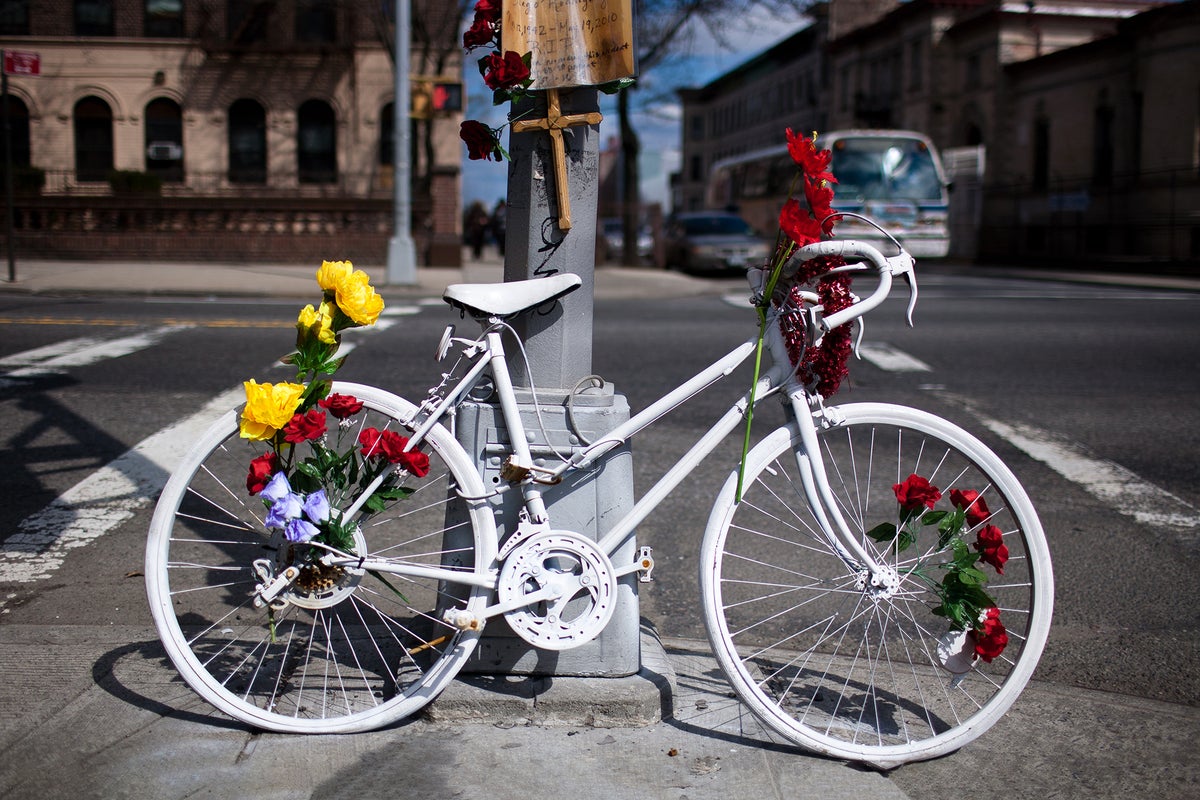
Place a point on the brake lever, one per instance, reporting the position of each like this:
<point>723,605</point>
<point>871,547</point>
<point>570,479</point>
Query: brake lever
<point>903,265</point>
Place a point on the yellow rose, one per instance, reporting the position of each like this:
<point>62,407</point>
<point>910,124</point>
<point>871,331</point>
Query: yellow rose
<point>357,299</point>
<point>317,323</point>
<point>332,272</point>
<point>269,406</point>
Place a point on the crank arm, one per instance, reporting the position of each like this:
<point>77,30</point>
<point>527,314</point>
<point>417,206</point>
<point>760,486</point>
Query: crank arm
<point>465,620</point>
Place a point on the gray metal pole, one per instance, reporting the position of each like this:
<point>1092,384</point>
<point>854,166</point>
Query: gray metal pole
<point>402,256</point>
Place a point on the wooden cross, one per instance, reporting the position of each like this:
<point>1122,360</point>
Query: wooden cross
<point>554,122</point>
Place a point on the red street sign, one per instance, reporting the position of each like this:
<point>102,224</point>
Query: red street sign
<point>20,63</point>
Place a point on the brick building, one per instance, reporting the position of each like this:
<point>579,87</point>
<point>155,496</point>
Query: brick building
<point>228,129</point>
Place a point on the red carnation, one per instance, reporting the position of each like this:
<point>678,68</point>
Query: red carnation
<point>262,469</point>
<point>342,406</point>
<point>504,71</point>
<point>972,503</point>
<point>991,547</point>
<point>813,162</point>
<point>305,427</point>
<point>385,445</point>
<point>916,492</point>
<point>415,462</point>
<point>798,224</point>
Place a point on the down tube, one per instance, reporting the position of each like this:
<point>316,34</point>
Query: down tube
<point>728,423</point>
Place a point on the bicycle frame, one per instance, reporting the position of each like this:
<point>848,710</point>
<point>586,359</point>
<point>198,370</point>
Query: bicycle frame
<point>488,352</point>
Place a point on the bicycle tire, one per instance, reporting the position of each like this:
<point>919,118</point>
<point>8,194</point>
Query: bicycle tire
<point>348,651</point>
<point>829,663</point>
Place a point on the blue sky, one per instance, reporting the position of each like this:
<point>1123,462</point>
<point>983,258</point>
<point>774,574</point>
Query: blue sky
<point>657,118</point>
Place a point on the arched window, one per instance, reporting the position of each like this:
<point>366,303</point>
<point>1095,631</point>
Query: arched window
<point>93,140</point>
<point>164,139</point>
<point>316,143</point>
<point>18,120</point>
<point>247,142</point>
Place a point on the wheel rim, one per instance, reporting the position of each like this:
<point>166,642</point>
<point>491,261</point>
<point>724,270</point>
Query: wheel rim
<point>853,670</point>
<point>345,648</point>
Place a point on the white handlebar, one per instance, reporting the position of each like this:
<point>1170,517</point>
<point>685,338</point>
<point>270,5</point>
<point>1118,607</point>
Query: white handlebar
<point>850,249</point>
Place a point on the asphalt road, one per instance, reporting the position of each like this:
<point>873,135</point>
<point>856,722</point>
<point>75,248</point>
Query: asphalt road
<point>1088,392</point>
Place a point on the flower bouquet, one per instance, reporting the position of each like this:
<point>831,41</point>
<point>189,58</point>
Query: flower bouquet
<point>305,490</point>
<point>975,627</point>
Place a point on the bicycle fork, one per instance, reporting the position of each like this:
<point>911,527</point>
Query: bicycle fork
<point>875,577</point>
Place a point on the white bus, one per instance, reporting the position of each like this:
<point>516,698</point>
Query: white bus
<point>893,177</point>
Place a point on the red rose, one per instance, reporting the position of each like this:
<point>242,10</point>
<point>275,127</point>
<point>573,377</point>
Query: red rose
<point>991,546</point>
<point>820,200</point>
<point>504,71</point>
<point>341,406</point>
<point>798,224</point>
<point>488,10</point>
<point>415,462</point>
<point>305,427</point>
<point>916,492</point>
<point>990,637</point>
<point>972,503</point>
<point>481,142</point>
<point>262,469</point>
<point>385,445</point>
<point>480,34</point>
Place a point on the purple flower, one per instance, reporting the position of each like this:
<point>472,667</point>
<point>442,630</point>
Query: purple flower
<point>299,530</point>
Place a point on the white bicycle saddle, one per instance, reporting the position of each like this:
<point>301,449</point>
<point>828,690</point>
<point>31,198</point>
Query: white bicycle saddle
<point>511,297</point>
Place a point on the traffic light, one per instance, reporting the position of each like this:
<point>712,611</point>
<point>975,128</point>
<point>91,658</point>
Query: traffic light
<point>431,96</point>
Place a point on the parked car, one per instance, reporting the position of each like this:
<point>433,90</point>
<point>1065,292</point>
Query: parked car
<point>612,231</point>
<point>713,241</point>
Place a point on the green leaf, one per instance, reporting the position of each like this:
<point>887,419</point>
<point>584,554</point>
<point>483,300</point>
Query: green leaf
<point>379,501</point>
<point>883,532</point>
<point>933,517</point>
<point>612,87</point>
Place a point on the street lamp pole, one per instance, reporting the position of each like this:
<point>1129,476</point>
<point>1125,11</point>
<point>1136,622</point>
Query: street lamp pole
<point>402,257</point>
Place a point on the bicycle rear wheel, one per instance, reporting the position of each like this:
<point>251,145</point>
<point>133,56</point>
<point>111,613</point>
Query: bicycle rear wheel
<point>346,649</point>
<point>847,669</point>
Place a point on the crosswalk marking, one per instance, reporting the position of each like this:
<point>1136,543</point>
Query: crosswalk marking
<point>888,358</point>
<point>80,352</point>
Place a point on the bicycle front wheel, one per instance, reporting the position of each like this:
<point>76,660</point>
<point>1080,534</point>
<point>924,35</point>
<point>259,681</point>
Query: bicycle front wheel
<point>340,649</point>
<point>878,674</point>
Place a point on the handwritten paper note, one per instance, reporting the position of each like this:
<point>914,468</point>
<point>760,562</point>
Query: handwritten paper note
<point>573,42</point>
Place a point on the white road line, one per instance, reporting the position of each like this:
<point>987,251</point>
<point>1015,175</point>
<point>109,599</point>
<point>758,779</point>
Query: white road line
<point>105,499</point>
<point>1107,481</point>
<point>81,352</point>
<point>888,358</point>
<point>114,493</point>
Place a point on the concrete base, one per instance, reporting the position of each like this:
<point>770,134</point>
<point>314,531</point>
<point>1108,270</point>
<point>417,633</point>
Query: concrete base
<point>637,700</point>
<point>587,504</point>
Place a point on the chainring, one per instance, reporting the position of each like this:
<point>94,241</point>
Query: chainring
<point>584,584</point>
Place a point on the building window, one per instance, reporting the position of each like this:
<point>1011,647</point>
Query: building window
<point>316,21</point>
<point>164,139</point>
<point>973,71</point>
<point>1102,146</point>
<point>14,17</point>
<point>247,20</point>
<point>247,142</point>
<point>164,19</point>
<point>93,140</point>
<point>916,65</point>
<point>93,18</point>
<point>316,143</point>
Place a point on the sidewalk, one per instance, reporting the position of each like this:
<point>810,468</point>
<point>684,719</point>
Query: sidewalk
<point>36,276</point>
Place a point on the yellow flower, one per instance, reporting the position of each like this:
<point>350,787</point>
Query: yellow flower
<point>357,299</point>
<point>317,323</point>
<point>269,406</point>
<point>332,272</point>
